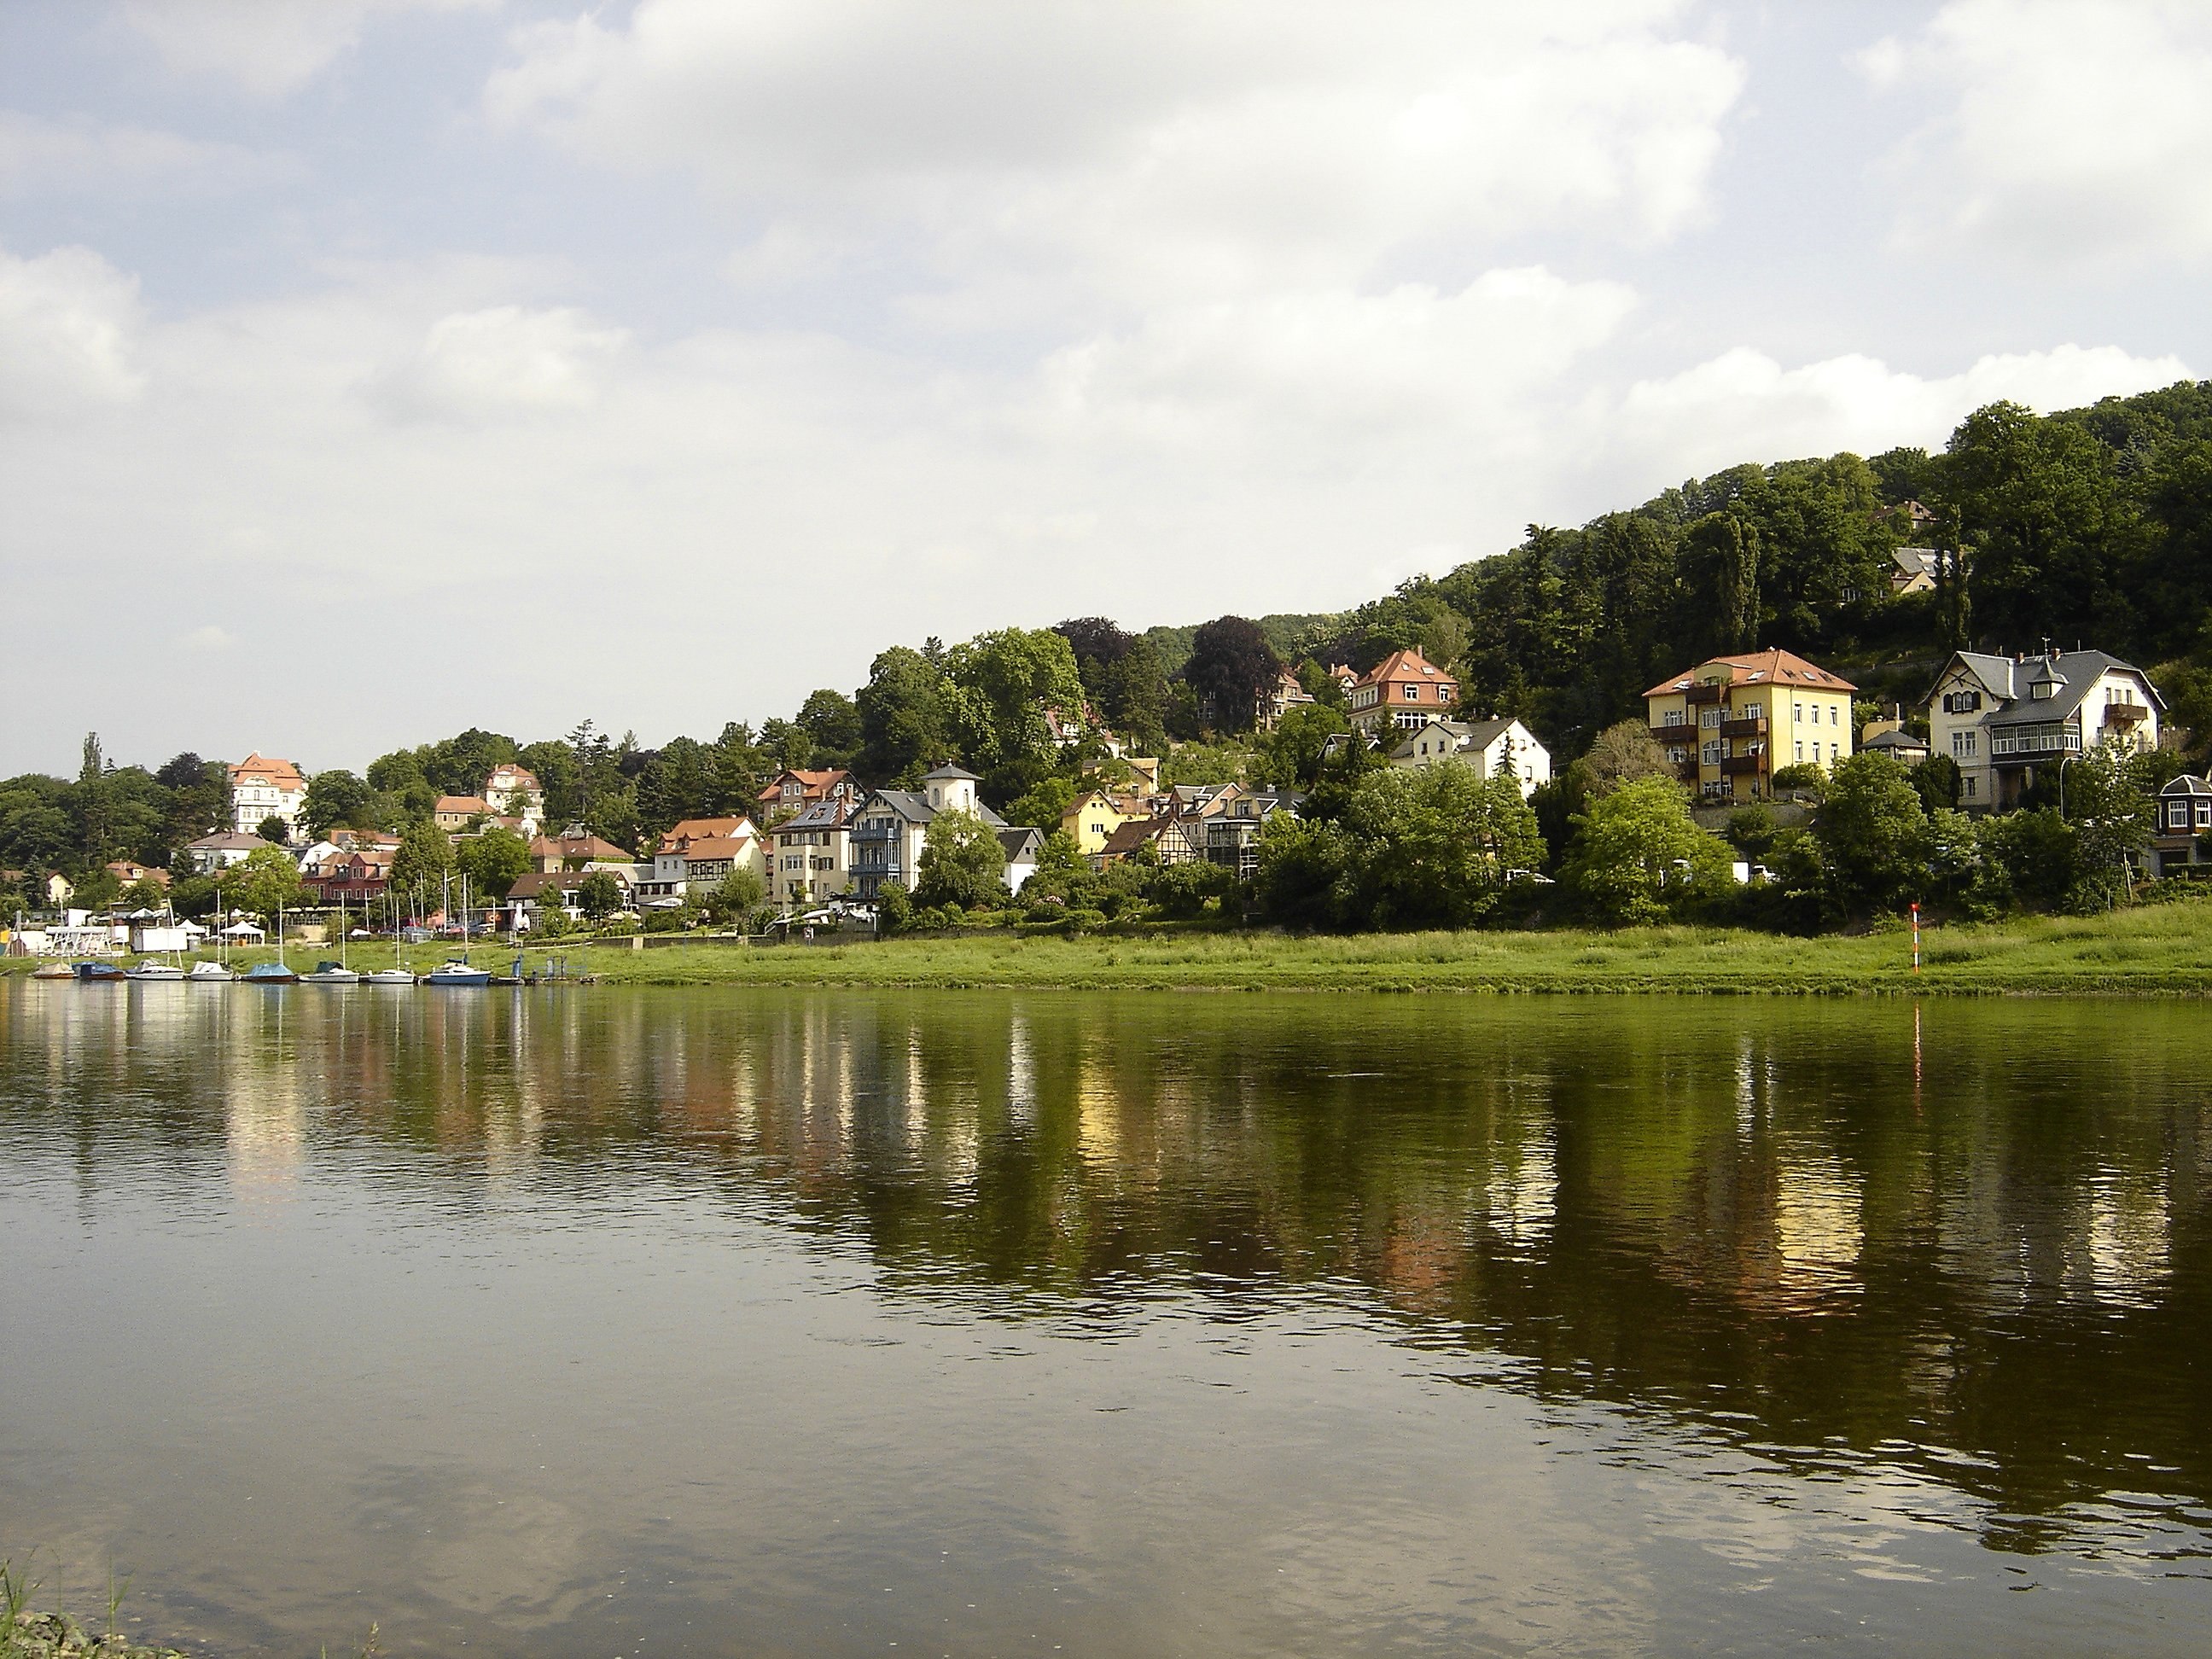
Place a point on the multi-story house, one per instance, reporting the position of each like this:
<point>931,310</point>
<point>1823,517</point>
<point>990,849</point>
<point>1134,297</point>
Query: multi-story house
<point>454,813</point>
<point>2181,832</point>
<point>812,859</point>
<point>221,850</point>
<point>887,831</point>
<point>514,793</point>
<point>792,789</point>
<point>1500,747</point>
<point>697,854</point>
<point>1404,691</point>
<point>577,848</point>
<point>1731,723</point>
<point>1288,693</point>
<point>2003,720</point>
<point>1232,834</point>
<point>262,788</point>
<point>1090,819</point>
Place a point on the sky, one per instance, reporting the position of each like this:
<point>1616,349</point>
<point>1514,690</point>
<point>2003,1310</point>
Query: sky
<point>370,369</point>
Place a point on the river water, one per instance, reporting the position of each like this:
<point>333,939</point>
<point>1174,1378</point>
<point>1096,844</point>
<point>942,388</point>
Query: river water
<point>603,1321</point>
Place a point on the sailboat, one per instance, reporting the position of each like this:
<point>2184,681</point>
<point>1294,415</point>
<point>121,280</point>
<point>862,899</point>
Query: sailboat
<point>277,972</point>
<point>218,971</point>
<point>401,974</point>
<point>455,970</point>
<point>335,973</point>
<point>172,969</point>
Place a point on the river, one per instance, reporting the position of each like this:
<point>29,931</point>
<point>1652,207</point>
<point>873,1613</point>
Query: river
<point>602,1321</point>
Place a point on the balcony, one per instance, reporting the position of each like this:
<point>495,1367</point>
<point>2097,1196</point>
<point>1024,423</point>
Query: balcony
<point>1688,770</point>
<point>1684,736</point>
<point>2125,714</point>
<point>1754,727</point>
<point>2026,745</point>
<point>1736,766</point>
<point>1697,694</point>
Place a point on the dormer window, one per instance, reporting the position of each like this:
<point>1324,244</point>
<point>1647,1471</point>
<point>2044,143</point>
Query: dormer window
<point>2041,690</point>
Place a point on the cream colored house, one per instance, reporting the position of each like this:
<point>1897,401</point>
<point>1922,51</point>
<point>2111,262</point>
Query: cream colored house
<point>1730,723</point>
<point>262,788</point>
<point>1500,747</point>
<point>2002,719</point>
<point>812,859</point>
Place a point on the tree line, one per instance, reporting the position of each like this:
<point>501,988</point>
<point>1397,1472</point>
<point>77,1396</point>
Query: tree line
<point>2091,526</point>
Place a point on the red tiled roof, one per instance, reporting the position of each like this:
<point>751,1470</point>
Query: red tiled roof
<point>279,773</point>
<point>717,847</point>
<point>467,805</point>
<point>1406,664</point>
<point>1761,668</point>
<point>693,830</point>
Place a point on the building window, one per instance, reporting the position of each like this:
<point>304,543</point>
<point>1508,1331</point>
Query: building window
<point>1797,713</point>
<point>1801,748</point>
<point>1963,744</point>
<point>1835,711</point>
<point>2204,814</point>
<point>1969,788</point>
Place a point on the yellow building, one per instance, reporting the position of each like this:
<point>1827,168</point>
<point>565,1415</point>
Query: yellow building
<point>1092,819</point>
<point>1730,723</point>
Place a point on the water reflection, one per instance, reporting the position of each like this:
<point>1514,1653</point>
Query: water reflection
<point>1962,1247</point>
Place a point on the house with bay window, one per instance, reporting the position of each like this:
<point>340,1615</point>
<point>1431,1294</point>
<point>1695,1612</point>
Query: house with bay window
<point>2006,720</point>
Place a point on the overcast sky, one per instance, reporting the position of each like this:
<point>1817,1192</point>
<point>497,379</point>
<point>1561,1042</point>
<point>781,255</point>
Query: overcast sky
<point>373,369</point>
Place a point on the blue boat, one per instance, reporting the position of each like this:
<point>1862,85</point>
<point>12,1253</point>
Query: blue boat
<point>269,973</point>
<point>98,971</point>
<point>457,972</point>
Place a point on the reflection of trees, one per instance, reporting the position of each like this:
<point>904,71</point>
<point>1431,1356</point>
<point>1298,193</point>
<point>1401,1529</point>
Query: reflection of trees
<point>1764,1217</point>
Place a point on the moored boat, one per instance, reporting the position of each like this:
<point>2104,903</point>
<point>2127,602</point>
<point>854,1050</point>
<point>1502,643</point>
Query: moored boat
<point>331,973</point>
<point>270,973</point>
<point>53,970</point>
<point>98,971</point>
<point>388,976</point>
<point>162,972</point>
<point>457,972</point>
<point>210,973</point>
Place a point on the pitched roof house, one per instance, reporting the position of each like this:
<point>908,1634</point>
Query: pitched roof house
<point>1405,690</point>
<point>575,849</point>
<point>453,813</point>
<point>889,829</point>
<point>794,787</point>
<point>264,787</point>
<point>2001,719</point>
<point>1497,747</point>
<point>1730,723</point>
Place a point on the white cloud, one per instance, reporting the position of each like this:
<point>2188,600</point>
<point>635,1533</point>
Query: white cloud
<point>1337,373</point>
<point>502,361</point>
<point>52,158</point>
<point>208,639</point>
<point>67,322</point>
<point>1151,151</point>
<point>2077,132</point>
<point>1744,405</point>
<point>269,47</point>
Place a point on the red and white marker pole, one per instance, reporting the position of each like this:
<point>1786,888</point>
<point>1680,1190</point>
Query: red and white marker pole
<point>1915,938</point>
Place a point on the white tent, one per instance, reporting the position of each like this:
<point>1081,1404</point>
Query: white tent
<point>243,930</point>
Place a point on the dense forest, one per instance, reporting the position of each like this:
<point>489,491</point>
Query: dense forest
<point>2090,526</point>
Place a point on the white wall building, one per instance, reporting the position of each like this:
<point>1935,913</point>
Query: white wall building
<point>1501,747</point>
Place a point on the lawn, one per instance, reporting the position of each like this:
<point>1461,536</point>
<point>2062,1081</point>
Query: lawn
<point>2155,948</point>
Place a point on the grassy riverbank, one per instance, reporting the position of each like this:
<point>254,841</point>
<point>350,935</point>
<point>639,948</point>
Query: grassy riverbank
<point>2157,948</point>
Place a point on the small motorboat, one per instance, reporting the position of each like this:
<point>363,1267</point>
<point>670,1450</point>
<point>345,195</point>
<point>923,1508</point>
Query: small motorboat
<point>457,972</point>
<point>53,970</point>
<point>331,973</point>
<point>162,972</point>
<point>98,971</point>
<point>210,973</point>
<point>270,973</point>
<point>388,976</point>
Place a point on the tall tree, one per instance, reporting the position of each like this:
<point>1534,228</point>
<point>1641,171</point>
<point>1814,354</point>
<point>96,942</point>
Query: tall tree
<point>1232,668</point>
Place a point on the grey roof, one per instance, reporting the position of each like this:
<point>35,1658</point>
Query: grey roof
<point>2072,672</point>
<point>949,770</point>
<point>2188,783</point>
<point>1467,734</point>
<point>1894,740</point>
<point>818,815</point>
<point>916,809</point>
<point>1019,839</point>
<point>1915,561</point>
